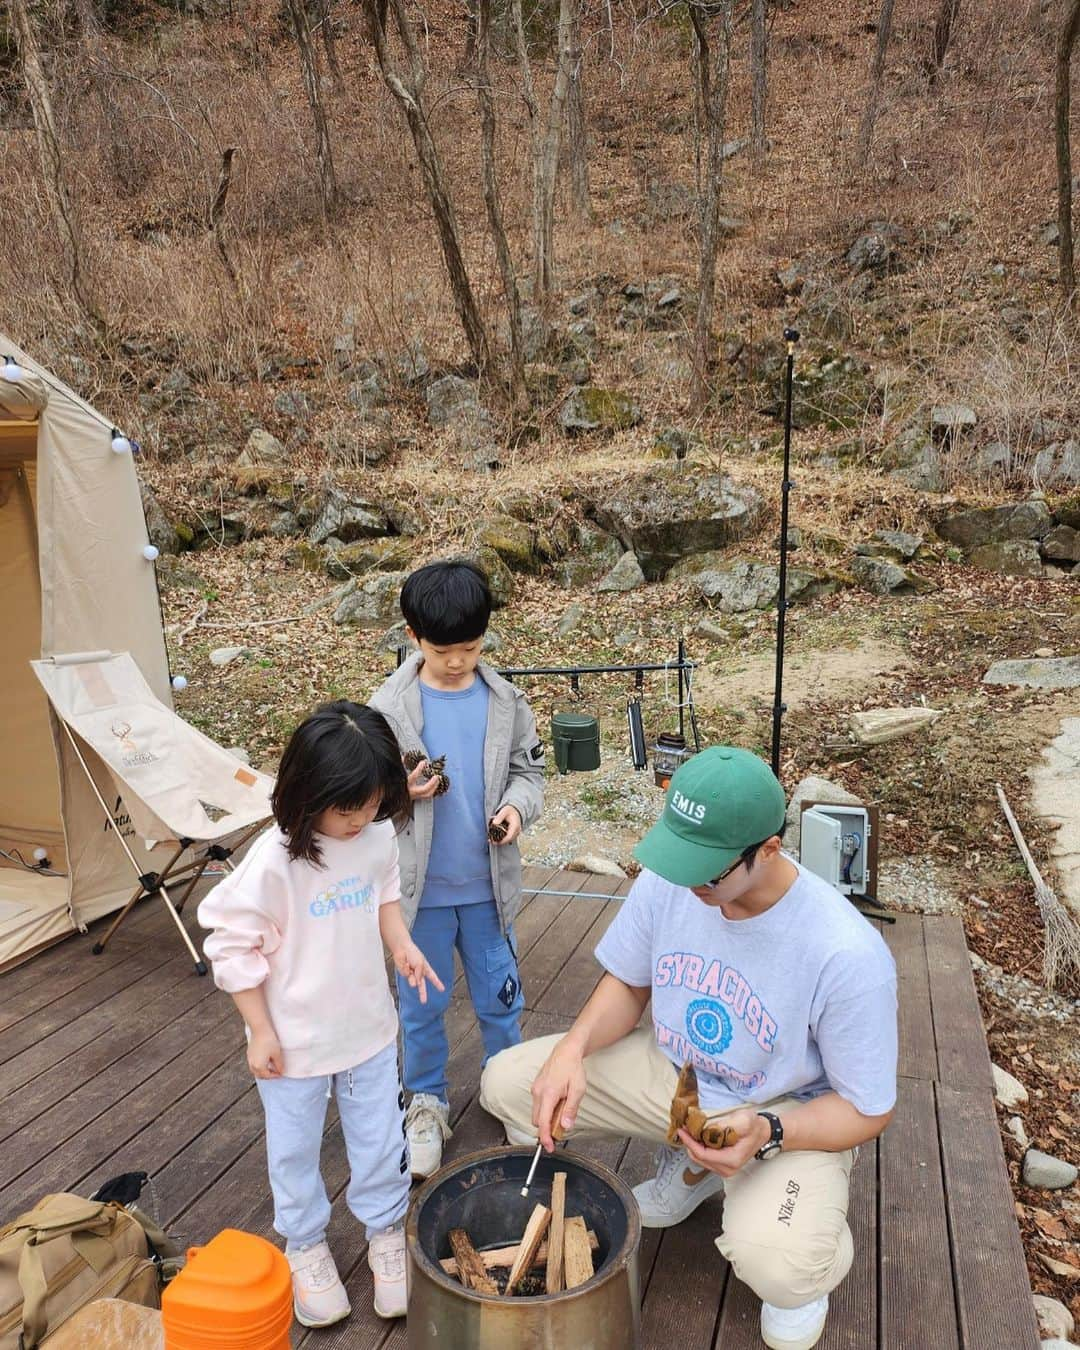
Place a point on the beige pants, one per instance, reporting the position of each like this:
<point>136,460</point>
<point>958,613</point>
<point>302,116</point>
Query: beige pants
<point>785,1229</point>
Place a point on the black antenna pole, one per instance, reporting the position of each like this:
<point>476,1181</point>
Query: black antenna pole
<point>779,707</point>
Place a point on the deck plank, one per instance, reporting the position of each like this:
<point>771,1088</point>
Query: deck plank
<point>918,1049</point>
<point>916,1272</point>
<point>993,1294</point>
<point>963,1057</point>
<point>129,1061</point>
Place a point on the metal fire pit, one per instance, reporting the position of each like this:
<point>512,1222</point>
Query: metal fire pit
<point>482,1194</point>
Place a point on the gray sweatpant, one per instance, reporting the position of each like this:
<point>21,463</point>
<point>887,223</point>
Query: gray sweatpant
<point>371,1108</point>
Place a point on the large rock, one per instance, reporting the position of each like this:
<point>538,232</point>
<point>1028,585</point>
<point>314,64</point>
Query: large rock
<point>626,575</point>
<point>1057,802</point>
<point>736,586</point>
<point>876,250</point>
<point>448,398</point>
<point>879,576</point>
<point>500,578</point>
<point>1062,544</point>
<point>996,524</point>
<point>876,726</point>
<point>596,552</point>
<point>371,603</point>
<point>1049,1173</point>
<point>1057,465</point>
<point>892,544</point>
<point>162,533</point>
<point>812,789</point>
<point>387,554</point>
<point>511,539</point>
<point>1012,558</point>
<point>952,419</point>
<point>1009,1091</point>
<point>664,516</point>
<point>1057,672</point>
<point>590,408</point>
<point>1054,1318</point>
<point>914,459</point>
<point>262,448</point>
<point>832,390</point>
<point>347,520</point>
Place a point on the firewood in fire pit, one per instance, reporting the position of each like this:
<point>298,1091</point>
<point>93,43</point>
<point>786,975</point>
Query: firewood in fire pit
<point>530,1241</point>
<point>470,1268</point>
<point>577,1257</point>
<point>554,1281</point>
<point>501,1257</point>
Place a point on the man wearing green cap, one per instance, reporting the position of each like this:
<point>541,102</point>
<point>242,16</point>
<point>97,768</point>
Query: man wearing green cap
<point>783,998</point>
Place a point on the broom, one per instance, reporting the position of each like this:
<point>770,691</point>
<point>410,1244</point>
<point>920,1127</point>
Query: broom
<point>1061,949</point>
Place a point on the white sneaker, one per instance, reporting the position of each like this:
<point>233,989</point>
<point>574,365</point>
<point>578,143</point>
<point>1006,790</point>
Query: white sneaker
<point>426,1126</point>
<point>319,1297</point>
<point>794,1328</point>
<point>675,1191</point>
<point>386,1257</point>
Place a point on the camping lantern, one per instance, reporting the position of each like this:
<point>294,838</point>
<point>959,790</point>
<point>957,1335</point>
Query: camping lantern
<point>669,752</point>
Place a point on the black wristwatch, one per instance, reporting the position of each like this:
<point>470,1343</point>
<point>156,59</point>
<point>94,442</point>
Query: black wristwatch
<point>775,1142</point>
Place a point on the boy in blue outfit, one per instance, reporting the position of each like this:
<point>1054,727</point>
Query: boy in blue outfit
<point>459,888</point>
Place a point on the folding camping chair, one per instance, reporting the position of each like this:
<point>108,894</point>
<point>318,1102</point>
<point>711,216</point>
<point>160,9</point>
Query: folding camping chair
<point>178,786</point>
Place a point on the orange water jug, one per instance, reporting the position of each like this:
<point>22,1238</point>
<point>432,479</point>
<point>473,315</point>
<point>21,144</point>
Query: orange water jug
<point>236,1292</point>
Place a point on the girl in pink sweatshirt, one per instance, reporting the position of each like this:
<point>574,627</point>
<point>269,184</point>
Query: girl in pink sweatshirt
<point>298,936</point>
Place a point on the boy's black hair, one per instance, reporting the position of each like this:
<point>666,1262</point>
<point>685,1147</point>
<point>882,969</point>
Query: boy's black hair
<point>447,602</point>
<point>343,755</point>
<point>749,854</point>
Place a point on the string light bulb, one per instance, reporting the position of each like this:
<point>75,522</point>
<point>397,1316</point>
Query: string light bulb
<point>12,371</point>
<point>120,443</point>
<point>179,683</point>
<point>150,552</point>
<point>41,856</point>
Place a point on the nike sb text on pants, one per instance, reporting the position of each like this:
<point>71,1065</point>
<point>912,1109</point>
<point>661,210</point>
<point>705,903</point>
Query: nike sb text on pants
<point>785,1228</point>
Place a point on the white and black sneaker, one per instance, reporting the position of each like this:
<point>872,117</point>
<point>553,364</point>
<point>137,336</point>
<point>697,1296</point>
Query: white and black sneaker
<point>794,1328</point>
<point>676,1190</point>
<point>427,1127</point>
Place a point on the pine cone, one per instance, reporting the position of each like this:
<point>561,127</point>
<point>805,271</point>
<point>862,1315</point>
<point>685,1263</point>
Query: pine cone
<point>496,832</point>
<point>435,768</point>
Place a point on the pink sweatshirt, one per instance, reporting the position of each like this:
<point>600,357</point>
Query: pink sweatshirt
<point>310,936</point>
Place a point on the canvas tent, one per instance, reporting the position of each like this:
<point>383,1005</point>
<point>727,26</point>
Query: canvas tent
<point>73,578</point>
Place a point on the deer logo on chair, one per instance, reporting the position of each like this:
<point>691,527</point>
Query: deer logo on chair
<point>130,752</point>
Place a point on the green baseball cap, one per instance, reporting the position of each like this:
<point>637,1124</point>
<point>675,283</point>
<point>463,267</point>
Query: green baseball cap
<point>718,804</point>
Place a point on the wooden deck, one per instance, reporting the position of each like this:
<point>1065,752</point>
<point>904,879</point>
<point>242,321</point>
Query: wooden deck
<point>130,1061</point>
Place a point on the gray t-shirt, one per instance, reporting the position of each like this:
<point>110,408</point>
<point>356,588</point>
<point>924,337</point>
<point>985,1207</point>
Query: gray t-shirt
<point>790,1003</point>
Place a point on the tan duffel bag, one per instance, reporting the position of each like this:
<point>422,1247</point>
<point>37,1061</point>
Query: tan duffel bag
<point>65,1252</point>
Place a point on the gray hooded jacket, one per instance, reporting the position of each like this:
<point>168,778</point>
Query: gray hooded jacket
<point>513,776</point>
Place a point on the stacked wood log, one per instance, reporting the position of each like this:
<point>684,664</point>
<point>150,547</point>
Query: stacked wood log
<point>555,1243</point>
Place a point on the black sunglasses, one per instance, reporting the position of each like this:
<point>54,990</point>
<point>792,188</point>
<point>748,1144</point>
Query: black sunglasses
<point>746,856</point>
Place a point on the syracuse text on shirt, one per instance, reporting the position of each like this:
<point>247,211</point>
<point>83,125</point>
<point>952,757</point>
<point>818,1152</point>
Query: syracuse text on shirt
<point>349,893</point>
<point>687,970</point>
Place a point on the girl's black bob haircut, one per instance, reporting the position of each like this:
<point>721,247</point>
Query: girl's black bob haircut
<point>343,755</point>
<point>447,602</point>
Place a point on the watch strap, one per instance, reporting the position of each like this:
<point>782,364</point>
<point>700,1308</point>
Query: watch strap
<point>776,1136</point>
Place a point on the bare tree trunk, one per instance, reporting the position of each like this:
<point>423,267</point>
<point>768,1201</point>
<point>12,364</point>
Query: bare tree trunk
<point>326,26</point>
<point>942,34</point>
<point>1066,42</point>
<point>758,76</point>
<point>713,61</point>
<point>577,141</point>
<point>884,30</point>
<point>544,262</point>
<point>52,166</point>
<point>472,25</point>
<point>408,90</point>
<point>310,71</point>
<point>217,212</point>
<point>536,137</point>
<point>491,196</point>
